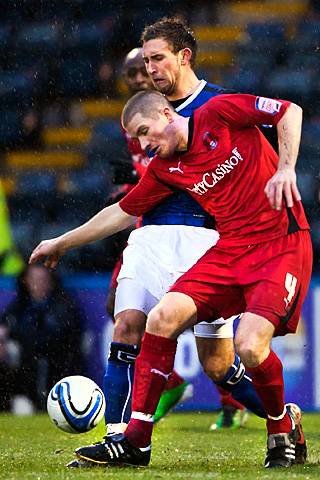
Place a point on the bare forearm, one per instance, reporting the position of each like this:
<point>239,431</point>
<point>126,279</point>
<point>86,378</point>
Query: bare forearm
<point>289,134</point>
<point>108,221</point>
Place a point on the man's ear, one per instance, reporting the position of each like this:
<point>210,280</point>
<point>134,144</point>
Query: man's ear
<point>186,55</point>
<point>168,113</point>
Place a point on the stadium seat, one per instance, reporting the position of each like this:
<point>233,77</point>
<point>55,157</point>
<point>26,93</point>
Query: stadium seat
<point>16,87</point>
<point>34,160</point>
<point>300,82</point>
<point>58,136</point>
<point>10,127</point>
<point>266,33</point>
<point>87,34</point>
<point>307,185</point>
<point>95,109</point>
<point>26,235</point>
<point>76,77</point>
<point>39,37</point>
<point>39,183</point>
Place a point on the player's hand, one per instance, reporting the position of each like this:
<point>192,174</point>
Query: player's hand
<point>283,185</point>
<point>50,250</point>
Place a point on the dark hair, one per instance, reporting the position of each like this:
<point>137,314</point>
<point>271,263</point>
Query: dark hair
<point>147,103</point>
<point>175,32</point>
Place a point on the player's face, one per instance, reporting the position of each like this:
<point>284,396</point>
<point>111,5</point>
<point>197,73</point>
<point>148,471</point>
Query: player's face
<point>163,66</point>
<point>156,135</point>
<point>136,77</point>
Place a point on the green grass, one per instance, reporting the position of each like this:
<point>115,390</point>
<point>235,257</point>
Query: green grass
<point>183,448</point>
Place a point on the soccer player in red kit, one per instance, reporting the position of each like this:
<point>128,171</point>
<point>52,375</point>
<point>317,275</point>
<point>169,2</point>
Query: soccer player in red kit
<point>260,266</point>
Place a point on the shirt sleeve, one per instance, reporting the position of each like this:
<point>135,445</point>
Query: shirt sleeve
<point>148,193</point>
<point>242,110</point>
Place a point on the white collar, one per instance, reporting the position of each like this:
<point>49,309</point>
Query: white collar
<point>190,99</point>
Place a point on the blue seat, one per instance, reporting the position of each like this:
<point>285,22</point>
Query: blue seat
<point>5,33</point>
<point>88,34</point>
<point>39,36</point>
<point>17,86</point>
<point>245,80</point>
<point>26,236</point>
<point>10,127</point>
<point>284,81</point>
<point>307,185</point>
<point>308,33</point>
<point>273,32</point>
<point>37,183</point>
<point>76,77</point>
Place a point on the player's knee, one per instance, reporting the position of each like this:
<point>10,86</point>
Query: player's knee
<point>249,351</point>
<point>128,328</point>
<point>214,370</point>
<point>215,367</point>
<point>161,322</point>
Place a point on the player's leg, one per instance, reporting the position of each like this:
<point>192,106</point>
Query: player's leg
<point>174,313</point>
<point>264,319</point>
<point>118,379</point>
<point>223,366</point>
<point>119,372</point>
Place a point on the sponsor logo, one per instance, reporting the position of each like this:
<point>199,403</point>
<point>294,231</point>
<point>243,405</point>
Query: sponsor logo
<point>209,141</point>
<point>210,179</point>
<point>176,169</point>
<point>268,105</point>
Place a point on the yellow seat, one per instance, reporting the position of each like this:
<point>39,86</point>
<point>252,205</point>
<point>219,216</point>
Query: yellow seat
<point>269,10</point>
<point>219,33</point>
<point>8,184</point>
<point>102,108</point>
<point>214,57</point>
<point>66,136</point>
<point>33,159</point>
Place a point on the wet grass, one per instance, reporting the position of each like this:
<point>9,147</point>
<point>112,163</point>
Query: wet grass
<point>183,448</point>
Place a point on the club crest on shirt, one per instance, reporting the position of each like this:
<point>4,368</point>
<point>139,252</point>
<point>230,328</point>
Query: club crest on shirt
<point>268,105</point>
<point>209,141</point>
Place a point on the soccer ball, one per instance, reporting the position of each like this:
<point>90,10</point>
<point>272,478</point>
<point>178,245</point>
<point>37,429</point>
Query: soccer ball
<point>76,404</point>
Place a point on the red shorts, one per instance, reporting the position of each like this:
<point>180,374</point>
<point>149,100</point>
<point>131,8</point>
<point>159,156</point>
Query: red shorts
<point>269,279</point>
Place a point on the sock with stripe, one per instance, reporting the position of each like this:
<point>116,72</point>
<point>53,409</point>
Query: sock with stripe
<point>118,382</point>
<point>267,379</point>
<point>241,387</point>
<point>152,369</point>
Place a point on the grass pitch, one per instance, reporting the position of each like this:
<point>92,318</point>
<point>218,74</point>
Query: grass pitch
<point>183,448</point>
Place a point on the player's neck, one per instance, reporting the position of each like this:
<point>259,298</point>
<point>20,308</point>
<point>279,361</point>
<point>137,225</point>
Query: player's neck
<point>185,86</point>
<point>182,129</point>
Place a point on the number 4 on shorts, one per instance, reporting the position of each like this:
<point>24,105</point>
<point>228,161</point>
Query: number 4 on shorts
<point>290,284</point>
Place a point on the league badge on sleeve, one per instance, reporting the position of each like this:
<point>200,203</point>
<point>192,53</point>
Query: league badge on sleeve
<point>209,141</point>
<point>268,105</point>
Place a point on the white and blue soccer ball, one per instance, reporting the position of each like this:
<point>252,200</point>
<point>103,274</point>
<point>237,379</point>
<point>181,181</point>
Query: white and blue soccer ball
<point>76,404</point>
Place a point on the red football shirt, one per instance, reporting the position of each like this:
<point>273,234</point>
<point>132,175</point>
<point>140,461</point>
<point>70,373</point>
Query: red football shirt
<point>226,169</point>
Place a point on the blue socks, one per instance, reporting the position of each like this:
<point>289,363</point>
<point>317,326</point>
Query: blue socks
<point>118,382</point>
<point>240,385</point>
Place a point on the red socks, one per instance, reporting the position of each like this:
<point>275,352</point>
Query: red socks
<point>152,369</point>
<point>227,399</point>
<point>267,379</point>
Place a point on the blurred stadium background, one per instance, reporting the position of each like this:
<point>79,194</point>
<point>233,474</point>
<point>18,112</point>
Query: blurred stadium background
<point>61,95</point>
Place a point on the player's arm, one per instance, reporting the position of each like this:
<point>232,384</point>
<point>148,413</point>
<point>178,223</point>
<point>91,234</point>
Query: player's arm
<point>242,110</point>
<point>284,182</point>
<point>108,221</point>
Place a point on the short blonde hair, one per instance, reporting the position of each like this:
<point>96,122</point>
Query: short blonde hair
<point>148,103</point>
